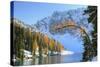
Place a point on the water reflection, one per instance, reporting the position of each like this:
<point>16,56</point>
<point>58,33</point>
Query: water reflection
<point>51,60</point>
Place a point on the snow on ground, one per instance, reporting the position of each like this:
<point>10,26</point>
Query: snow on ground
<point>65,52</point>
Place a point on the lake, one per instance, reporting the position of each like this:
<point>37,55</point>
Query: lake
<point>76,57</point>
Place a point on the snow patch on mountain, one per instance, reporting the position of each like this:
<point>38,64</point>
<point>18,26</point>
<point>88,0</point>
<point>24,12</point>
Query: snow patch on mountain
<point>77,15</point>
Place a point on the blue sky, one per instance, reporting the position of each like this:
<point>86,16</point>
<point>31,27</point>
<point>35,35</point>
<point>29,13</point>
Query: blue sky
<point>31,12</point>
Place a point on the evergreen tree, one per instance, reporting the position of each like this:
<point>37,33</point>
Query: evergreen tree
<point>92,12</point>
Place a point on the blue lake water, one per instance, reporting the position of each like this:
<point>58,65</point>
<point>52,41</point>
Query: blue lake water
<point>77,57</point>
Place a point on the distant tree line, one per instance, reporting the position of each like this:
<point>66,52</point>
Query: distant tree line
<point>25,38</point>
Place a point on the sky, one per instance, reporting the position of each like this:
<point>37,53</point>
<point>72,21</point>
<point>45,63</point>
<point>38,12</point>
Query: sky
<point>31,12</point>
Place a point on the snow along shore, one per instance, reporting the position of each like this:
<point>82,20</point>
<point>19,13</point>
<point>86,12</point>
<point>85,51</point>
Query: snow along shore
<point>65,52</point>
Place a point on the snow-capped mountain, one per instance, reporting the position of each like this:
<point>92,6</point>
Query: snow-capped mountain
<point>77,15</point>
